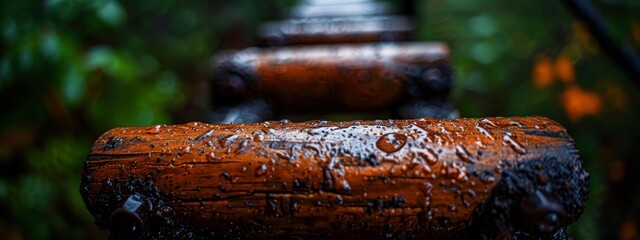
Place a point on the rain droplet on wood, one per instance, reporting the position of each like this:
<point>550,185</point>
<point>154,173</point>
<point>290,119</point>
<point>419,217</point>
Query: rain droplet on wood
<point>154,129</point>
<point>516,146</point>
<point>391,142</point>
<point>261,170</point>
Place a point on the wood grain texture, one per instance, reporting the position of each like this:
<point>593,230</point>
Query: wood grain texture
<point>426,178</point>
<point>330,78</point>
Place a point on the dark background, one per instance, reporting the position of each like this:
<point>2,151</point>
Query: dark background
<point>71,70</point>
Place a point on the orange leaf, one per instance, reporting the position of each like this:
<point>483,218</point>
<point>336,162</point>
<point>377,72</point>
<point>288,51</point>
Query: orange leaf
<point>564,69</point>
<point>628,230</point>
<point>542,72</point>
<point>579,103</point>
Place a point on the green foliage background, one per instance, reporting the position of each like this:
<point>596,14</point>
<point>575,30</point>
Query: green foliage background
<point>72,69</point>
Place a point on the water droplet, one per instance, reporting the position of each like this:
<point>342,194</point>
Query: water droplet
<point>429,156</point>
<point>205,135</point>
<point>343,185</point>
<point>391,142</point>
<point>226,176</point>
<point>185,150</point>
<point>471,193</point>
<point>487,179</point>
<point>548,223</point>
<point>154,129</point>
<point>108,182</point>
<point>243,147</point>
<point>296,183</point>
<point>517,124</point>
<point>293,207</point>
<point>452,207</point>
<point>113,142</point>
<point>517,147</point>
<point>261,170</point>
<point>426,169</point>
<point>258,137</point>
<point>466,202</point>
<point>464,155</point>
<point>225,141</point>
<point>428,187</point>
<point>485,132</point>
<point>212,157</point>
<point>489,122</point>
<point>371,160</point>
<point>455,171</point>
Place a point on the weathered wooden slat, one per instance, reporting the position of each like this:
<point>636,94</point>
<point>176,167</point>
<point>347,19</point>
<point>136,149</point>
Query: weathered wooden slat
<point>420,178</point>
<point>330,78</point>
<point>350,29</point>
<point>366,8</point>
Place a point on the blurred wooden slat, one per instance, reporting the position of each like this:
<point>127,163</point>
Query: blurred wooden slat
<point>337,30</point>
<point>368,77</point>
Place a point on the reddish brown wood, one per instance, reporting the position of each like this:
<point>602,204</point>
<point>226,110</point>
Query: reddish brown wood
<point>369,77</point>
<point>423,178</point>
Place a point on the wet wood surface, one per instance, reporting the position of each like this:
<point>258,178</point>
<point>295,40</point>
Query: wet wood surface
<point>330,78</point>
<point>423,178</point>
<point>337,30</point>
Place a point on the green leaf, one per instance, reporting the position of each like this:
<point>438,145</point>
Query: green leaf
<point>73,86</point>
<point>50,45</point>
<point>99,57</point>
<point>482,26</point>
<point>111,13</point>
<point>485,52</point>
